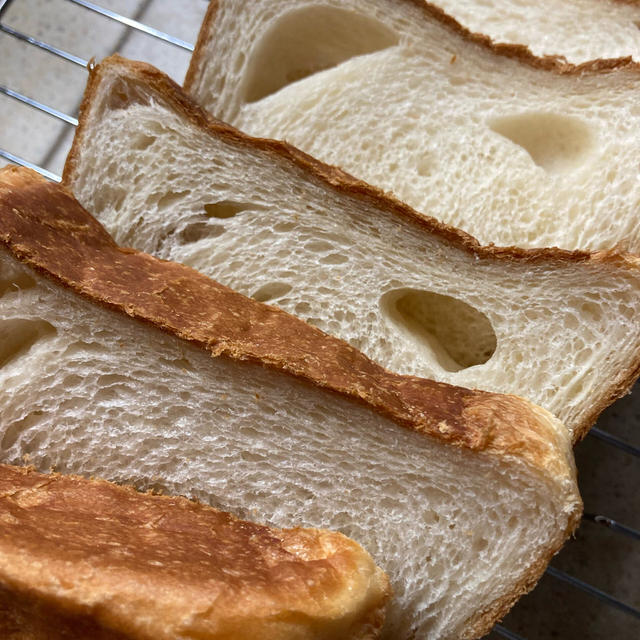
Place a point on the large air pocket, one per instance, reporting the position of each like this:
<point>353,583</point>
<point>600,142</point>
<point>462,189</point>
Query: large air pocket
<point>18,281</point>
<point>18,335</point>
<point>309,40</point>
<point>556,143</point>
<point>441,327</point>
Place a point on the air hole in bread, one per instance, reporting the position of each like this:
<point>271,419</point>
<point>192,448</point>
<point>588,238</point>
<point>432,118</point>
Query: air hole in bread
<point>253,456</point>
<point>142,142</point>
<point>18,335</point>
<point>555,143</point>
<point>16,429</point>
<point>199,231</point>
<point>109,196</point>
<point>319,246</point>
<point>36,442</point>
<point>480,544</point>
<point>334,258</point>
<point>271,291</point>
<point>303,308</point>
<point>228,209</point>
<point>425,166</point>
<point>309,40</point>
<point>430,518</point>
<point>450,331</point>
<point>284,227</point>
<point>171,198</point>
<point>124,93</point>
<point>18,282</point>
<point>183,364</point>
<point>592,311</point>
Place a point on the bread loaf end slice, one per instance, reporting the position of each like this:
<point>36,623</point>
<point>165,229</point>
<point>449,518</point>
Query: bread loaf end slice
<point>86,558</point>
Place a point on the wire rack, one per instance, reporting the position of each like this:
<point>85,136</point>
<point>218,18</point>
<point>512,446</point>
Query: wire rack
<point>606,441</point>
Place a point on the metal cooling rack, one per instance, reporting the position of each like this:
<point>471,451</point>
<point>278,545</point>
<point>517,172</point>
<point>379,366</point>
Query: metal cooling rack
<point>31,102</point>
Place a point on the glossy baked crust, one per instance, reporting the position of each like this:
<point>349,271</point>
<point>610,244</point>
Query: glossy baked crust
<point>89,559</point>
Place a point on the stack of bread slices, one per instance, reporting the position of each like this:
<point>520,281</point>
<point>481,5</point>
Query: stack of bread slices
<point>306,356</point>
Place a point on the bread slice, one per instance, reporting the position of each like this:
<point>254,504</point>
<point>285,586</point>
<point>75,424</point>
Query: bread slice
<point>138,370</point>
<point>514,149</point>
<point>88,559</point>
<point>580,30</point>
<point>558,328</point>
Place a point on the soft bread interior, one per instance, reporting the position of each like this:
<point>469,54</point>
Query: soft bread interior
<point>426,118</point>
<point>402,294</point>
<point>95,392</point>
<point>580,30</point>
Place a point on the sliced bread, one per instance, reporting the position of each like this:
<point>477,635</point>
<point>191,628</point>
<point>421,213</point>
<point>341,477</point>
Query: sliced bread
<point>87,559</point>
<point>580,30</point>
<point>418,297</point>
<point>515,149</point>
<point>139,370</point>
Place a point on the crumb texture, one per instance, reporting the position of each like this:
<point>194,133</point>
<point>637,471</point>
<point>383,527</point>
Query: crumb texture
<point>579,30</point>
<point>98,393</point>
<point>514,155</point>
<point>402,294</point>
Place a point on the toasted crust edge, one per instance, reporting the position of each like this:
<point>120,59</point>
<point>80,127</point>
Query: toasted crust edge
<point>343,183</point>
<point>196,309</point>
<point>328,557</point>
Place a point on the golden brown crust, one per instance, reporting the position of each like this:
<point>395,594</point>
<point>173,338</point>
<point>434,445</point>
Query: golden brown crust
<point>164,89</point>
<point>45,227</point>
<point>204,37</point>
<point>520,52</point>
<point>86,558</point>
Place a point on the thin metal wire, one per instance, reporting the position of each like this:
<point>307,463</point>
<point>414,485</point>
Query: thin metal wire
<point>613,525</point>
<point>39,105</point>
<point>43,45</point>
<point>505,633</point>
<point>134,24</point>
<point>11,157</point>
<point>615,441</point>
<point>597,593</point>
